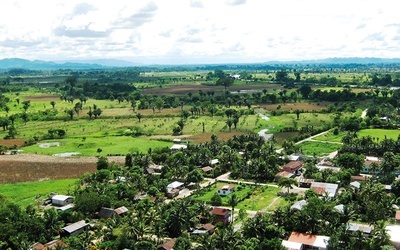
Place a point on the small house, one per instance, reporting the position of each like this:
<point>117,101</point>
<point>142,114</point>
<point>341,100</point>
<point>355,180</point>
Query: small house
<point>49,245</point>
<point>322,188</point>
<point>171,193</point>
<point>299,205</point>
<point>168,245</point>
<point>293,167</point>
<point>204,229</point>
<point>121,211</point>
<point>214,162</point>
<point>305,183</point>
<point>106,213</point>
<point>365,229</point>
<point>221,214</point>
<point>175,185</point>
<point>61,200</point>
<point>75,228</point>
<point>283,174</point>
<point>226,190</point>
<point>306,241</point>
<point>177,147</point>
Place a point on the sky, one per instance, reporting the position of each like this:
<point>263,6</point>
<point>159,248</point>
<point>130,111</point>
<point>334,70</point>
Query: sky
<point>199,31</point>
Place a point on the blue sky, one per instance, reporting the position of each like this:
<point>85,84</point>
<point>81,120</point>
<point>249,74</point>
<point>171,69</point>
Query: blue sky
<point>199,31</point>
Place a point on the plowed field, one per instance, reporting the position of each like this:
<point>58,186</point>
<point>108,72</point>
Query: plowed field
<point>31,167</point>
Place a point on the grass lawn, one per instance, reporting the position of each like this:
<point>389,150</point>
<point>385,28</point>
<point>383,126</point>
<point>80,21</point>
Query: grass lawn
<point>261,198</point>
<point>330,137</point>
<point>24,193</point>
<point>379,133</point>
<point>318,148</point>
<point>240,192</point>
<point>112,145</point>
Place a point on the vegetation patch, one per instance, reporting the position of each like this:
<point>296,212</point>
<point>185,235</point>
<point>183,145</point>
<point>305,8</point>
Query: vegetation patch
<point>263,198</point>
<point>26,193</point>
<point>379,133</point>
<point>318,148</point>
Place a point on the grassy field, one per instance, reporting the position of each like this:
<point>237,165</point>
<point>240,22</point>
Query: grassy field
<point>318,148</point>
<point>379,133</point>
<point>330,137</point>
<point>209,192</point>
<point>25,193</point>
<point>263,198</point>
<point>112,145</point>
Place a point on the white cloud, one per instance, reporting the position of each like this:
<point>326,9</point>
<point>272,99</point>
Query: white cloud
<point>199,30</point>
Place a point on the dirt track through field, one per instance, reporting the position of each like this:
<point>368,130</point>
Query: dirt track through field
<point>32,167</point>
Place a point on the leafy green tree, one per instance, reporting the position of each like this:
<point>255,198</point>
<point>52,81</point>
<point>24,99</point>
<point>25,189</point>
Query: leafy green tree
<point>216,199</point>
<point>102,163</point>
<point>287,183</point>
<point>350,161</point>
<point>139,116</point>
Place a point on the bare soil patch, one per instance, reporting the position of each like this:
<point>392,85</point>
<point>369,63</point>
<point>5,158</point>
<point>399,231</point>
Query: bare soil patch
<point>32,167</point>
<point>294,106</point>
<point>12,142</point>
<point>42,98</point>
<point>206,137</point>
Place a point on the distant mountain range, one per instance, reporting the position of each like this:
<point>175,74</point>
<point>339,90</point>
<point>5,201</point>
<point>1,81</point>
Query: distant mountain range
<point>12,63</point>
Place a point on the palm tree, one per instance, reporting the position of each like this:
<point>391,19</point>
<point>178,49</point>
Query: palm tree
<point>233,201</point>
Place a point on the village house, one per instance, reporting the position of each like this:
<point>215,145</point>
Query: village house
<point>305,183</point>
<point>226,190</point>
<point>300,241</point>
<point>168,245</point>
<point>176,185</point>
<point>397,217</point>
<point>49,245</point>
<point>322,188</point>
<point>74,229</point>
<point>221,215</point>
<point>283,174</point>
<point>204,229</point>
<point>294,167</point>
<point>61,200</point>
<point>106,213</point>
<point>365,229</point>
<point>121,211</point>
<point>368,162</point>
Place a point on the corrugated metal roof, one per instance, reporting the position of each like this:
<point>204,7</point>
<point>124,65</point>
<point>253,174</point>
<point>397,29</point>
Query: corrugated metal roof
<point>121,210</point>
<point>75,226</point>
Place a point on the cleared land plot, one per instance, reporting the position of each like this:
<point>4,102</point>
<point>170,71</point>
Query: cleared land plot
<point>25,193</point>
<point>293,106</point>
<point>318,148</point>
<point>263,198</point>
<point>31,167</point>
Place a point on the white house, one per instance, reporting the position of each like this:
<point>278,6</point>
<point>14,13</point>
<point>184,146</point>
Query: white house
<point>175,185</point>
<point>226,190</point>
<point>61,200</point>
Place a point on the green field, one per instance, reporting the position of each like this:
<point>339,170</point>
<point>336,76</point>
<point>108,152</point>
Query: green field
<point>112,145</point>
<point>379,133</point>
<point>210,191</point>
<point>260,198</point>
<point>24,193</point>
<point>330,137</point>
<point>318,148</point>
<point>263,199</point>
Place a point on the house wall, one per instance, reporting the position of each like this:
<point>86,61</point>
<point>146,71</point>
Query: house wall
<point>62,202</point>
